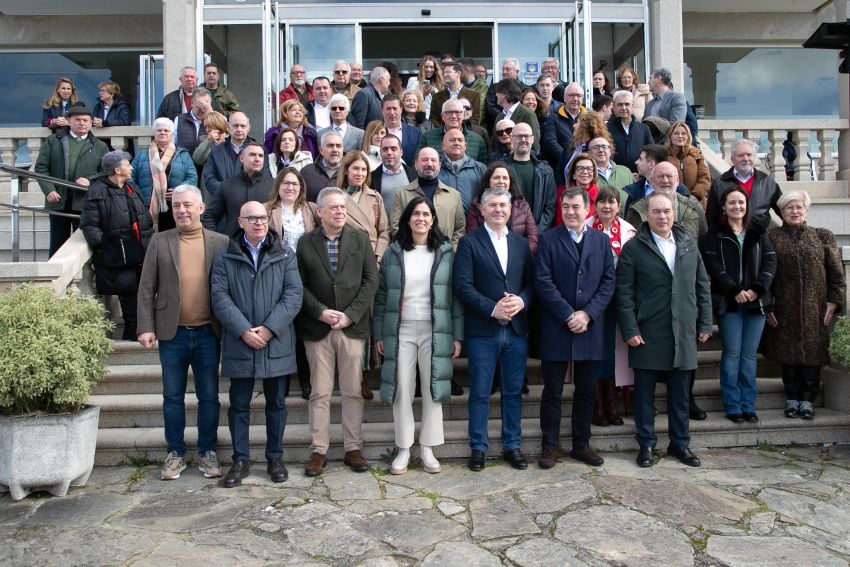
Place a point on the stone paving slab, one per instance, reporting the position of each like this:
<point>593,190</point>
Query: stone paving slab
<point>778,506</point>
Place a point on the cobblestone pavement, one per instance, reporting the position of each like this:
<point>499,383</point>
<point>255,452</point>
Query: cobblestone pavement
<point>743,507</point>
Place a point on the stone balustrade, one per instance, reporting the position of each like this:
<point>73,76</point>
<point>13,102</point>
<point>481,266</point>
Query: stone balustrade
<point>11,140</point>
<point>826,132</point>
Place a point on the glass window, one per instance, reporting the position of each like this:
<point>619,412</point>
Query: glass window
<point>318,48</point>
<point>28,79</point>
<point>531,44</point>
<point>762,82</point>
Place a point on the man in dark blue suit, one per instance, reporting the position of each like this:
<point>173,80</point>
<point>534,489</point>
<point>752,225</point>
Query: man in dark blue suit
<point>574,284</point>
<point>366,104</point>
<point>407,134</point>
<point>492,277</point>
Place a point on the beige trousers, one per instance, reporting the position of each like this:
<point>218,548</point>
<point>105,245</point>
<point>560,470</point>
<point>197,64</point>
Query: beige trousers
<point>336,351</point>
<point>414,345</point>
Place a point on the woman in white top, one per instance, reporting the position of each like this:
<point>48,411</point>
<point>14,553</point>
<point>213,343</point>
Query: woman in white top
<point>291,216</point>
<point>417,323</point>
<point>287,152</point>
<point>429,81</point>
<point>616,363</point>
<point>375,132</point>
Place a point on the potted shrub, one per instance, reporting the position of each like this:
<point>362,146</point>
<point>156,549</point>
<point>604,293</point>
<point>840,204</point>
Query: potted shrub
<point>839,343</point>
<point>52,352</point>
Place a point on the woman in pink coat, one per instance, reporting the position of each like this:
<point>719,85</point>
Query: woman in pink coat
<point>614,370</point>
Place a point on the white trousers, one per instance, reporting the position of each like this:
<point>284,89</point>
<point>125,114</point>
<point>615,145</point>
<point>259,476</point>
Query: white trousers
<point>414,346</point>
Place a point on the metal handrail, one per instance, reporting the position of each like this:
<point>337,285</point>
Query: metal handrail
<point>18,176</point>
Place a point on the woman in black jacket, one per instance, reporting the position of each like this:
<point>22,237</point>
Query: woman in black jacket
<point>741,264</point>
<point>118,227</point>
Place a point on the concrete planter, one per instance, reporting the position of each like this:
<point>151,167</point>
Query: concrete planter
<point>47,452</point>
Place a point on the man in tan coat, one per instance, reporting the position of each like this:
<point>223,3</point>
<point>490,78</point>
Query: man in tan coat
<point>447,200</point>
<point>174,309</point>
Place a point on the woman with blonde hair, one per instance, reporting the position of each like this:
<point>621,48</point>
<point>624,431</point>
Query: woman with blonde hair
<point>294,117</point>
<point>56,107</point>
<point>375,132</point>
<point>627,80</point>
<point>215,124</point>
<point>688,159</point>
<point>291,216</point>
<point>588,127</point>
<point>413,109</point>
<point>429,80</point>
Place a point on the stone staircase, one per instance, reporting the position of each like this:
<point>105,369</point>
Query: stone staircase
<point>131,414</point>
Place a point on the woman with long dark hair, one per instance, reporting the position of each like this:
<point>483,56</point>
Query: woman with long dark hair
<point>417,322</point>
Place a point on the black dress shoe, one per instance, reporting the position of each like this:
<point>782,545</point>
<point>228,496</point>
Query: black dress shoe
<point>476,461</point>
<point>750,417</point>
<point>644,458</point>
<point>234,476</point>
<point>457,390</point>
<point>684,455</point>
<point>277,470</point>
<point>516,459</point>
<point>735,417</point>
<point>587,456</point>
<point>306,390</point>
<point>695,413</point>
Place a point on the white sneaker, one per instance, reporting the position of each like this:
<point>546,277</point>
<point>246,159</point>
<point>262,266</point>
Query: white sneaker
<point>399,465</point>
<point>209,465</point>
<point>173,466</point>
<point>429,463</point>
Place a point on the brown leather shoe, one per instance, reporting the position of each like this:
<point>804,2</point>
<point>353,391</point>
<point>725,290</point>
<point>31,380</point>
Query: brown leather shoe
<point>548,458</point>
<point>316,465</point>
<point>587,456</point>
<point>599,418</point>
<point>355,460</point>
<point>609,401</point>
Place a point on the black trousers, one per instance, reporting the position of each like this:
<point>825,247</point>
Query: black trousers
<point>128,312</point>
<point>60,231</point>
<point>239,416</point>
<point>584,380</point>
<point>801,382</point>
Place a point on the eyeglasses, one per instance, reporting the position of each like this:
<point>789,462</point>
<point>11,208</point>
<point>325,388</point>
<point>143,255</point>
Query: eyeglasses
<point>523,136</point>
<point>298,72</point>
<point>452,112</point>
<point>506,131</point>
<point>574,95</point>
<point>793,208</point>
<point>290,184</point>
<point>599,147</point>
<point>337,108</point>
<point>340,72</point>
<point>584,169</point>
<point>256,220</point>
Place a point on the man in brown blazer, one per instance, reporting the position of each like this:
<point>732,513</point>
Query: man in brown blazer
<point>174,309</point>
<point>340,277</point>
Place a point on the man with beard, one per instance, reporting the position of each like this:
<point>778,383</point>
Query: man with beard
<point>322,172</point>
<point>298,87</point>
<point>447,201</point>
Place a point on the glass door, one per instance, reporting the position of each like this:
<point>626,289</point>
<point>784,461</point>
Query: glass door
<point>151,88</point>
<point>272,51</point>
<point>582,51</point>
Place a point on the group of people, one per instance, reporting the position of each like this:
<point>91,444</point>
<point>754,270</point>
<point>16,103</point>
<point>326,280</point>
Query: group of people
<point>357,239</point>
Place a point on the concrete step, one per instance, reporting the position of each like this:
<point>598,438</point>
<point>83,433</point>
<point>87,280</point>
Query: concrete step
<point>145,410</point>
<point>145,377</point>
<point>119,445</point>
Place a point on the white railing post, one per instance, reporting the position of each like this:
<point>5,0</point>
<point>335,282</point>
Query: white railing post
<point>776,162</point>
<point>726,138</point>
<point>7,155</point>
<point>826,163</point>
<point>801,172</point>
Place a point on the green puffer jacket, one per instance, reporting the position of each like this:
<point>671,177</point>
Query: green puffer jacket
<point>446,319</point>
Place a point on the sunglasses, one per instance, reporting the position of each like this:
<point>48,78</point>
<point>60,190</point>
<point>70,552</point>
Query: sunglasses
<point>507,131</point>
<point>337,108</point>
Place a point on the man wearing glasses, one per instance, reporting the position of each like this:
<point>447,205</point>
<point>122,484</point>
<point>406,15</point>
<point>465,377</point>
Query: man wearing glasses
<point>256,293</point>
<point>342,80</point>
<point>298,89</point>
<point>250,184</point>
<point>558,132</point>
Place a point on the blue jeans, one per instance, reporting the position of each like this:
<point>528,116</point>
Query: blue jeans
<point>199,348</point>
<point>510,349</point>
<point>740,333</point>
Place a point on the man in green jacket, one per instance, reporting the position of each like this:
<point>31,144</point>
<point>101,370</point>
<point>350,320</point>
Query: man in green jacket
<point>340,277</point>
<point>664,308</point>
<point>224,100</point>
<point>72,155</point>
<point>453,119</point>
